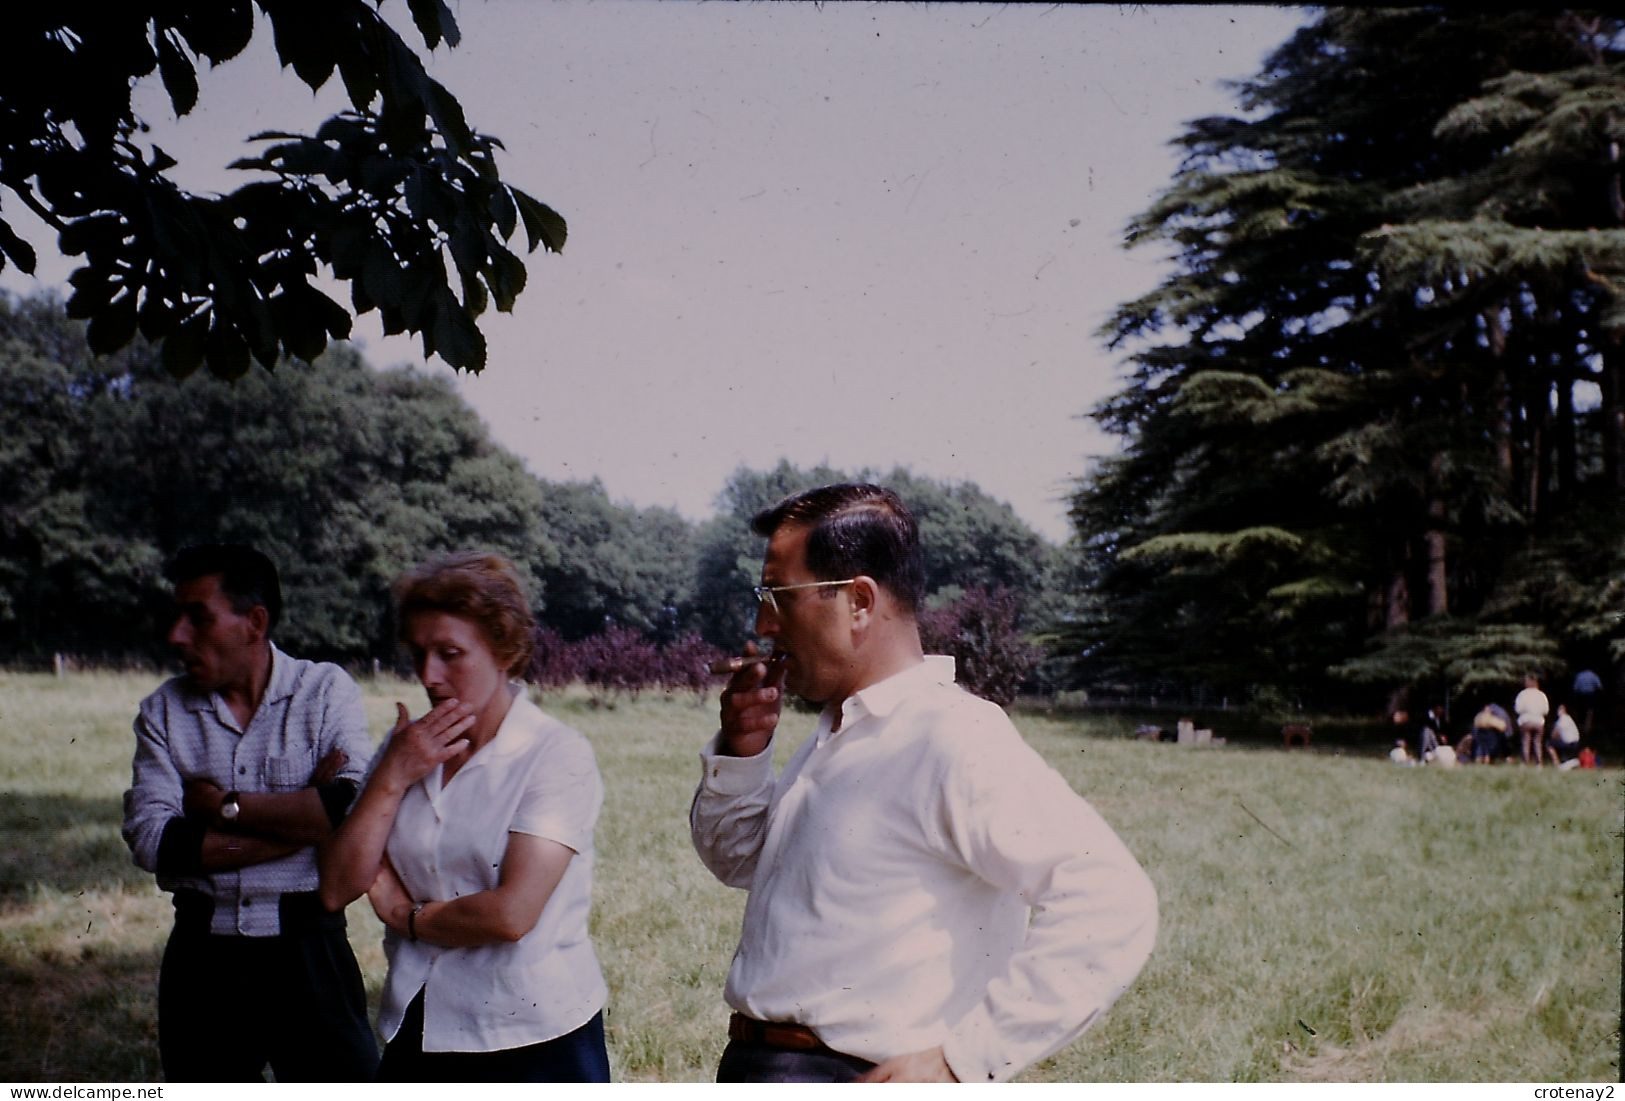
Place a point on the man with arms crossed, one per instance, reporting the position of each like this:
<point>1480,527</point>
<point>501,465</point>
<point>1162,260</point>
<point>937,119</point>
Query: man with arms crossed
<point>242,765</point>
<point>929,901</point>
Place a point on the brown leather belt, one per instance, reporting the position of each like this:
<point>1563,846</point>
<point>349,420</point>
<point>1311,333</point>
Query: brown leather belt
<point>775,1034</point>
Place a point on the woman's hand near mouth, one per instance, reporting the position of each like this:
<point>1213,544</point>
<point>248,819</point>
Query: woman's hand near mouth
<point>416,748</point>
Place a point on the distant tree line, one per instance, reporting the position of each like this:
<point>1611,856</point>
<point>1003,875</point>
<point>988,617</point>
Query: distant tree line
<point>348,475</point>
<point>1373,422</point>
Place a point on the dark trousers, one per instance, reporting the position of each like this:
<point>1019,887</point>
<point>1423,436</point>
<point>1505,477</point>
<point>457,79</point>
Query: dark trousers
<point>743,1061</point>
<point>578,1056</point>
<point>229,1006</point>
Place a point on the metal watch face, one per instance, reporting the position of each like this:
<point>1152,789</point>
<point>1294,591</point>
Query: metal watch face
<point>230,808</point>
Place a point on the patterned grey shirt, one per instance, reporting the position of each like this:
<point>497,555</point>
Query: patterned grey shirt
<point>182,734</point>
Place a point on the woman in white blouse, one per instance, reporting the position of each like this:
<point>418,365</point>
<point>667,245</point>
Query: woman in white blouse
<point>473,840</point>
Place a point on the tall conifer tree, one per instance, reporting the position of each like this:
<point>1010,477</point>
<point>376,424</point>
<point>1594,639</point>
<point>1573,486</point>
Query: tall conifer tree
<point>1384,371</point>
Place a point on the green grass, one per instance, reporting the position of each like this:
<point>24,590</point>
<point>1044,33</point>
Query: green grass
<point>1324,916</point>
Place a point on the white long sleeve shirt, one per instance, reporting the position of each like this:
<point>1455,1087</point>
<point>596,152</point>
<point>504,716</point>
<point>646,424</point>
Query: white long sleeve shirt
<point>920,876</point>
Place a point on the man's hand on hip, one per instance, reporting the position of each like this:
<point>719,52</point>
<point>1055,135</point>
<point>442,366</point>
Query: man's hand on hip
<point>918,1066</point>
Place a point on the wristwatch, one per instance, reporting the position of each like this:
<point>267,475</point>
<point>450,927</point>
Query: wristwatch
<point>229,807</point>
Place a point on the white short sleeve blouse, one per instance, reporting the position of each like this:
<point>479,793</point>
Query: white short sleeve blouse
<point>536,777</point>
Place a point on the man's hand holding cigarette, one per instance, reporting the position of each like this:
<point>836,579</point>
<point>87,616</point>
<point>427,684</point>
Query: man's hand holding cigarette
<point>751,701</point>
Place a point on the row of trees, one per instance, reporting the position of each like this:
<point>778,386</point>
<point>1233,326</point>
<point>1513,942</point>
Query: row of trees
<point>347,476</point>
<point>1374,422</point>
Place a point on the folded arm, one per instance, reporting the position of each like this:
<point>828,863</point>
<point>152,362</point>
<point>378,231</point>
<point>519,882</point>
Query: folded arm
<point>162,836</point>
<point>300,818</point>
<point>531,869</point>
<point>351,859</point>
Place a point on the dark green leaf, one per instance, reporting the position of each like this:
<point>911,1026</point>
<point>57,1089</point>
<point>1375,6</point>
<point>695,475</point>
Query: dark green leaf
<point>97,233</point>
<point>180,81</point>
<point>360,81</point>
<point>434,22</point>
<point>19,250</point>
<point>506,278</point>
<point>381,275</point>
<point>156,317</point>
<point>217,30</point>
<point>307,157</point>
<point>543,225</point>
<point>448,117</point>
<point>347,247</point>
<point>342,128</point>
<point>114,326</point>
<point>504,215</point>
<point>259,331</point>
<point>334,317</point>
<point>302,43</point>
<point>183,349</point>
<point>93,290</point>
<point>457,339</point>
<point>475,297</point>
<point>467,245</point>
<point>225,351</point>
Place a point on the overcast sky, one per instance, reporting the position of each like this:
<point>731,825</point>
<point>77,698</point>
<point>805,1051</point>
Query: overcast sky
<point>871,235</point>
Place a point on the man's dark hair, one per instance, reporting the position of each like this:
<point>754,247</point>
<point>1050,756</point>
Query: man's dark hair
<point>855,529</point>
<point>247,577</point>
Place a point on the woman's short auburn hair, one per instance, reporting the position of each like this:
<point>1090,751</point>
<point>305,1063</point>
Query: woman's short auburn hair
<point>481,587</point>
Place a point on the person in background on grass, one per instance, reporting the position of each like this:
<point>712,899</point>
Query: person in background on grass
<point>1587,694</point>
<point>929,900</point>
<point>242,765</point>
<point>1402,725</point>
<point>1564,746</point>
<point>473,839</point>
<point>1444,754</point>
<point>1490,728</point>
<point>1429,735</point>
<point>1532,707</point>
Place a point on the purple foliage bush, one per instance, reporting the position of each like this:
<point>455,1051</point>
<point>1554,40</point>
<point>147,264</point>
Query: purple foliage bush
<point>621,661</point>
<point>979,629</point>
<point>618,661</point>
<point>684,662</point>
<point>553,662</point>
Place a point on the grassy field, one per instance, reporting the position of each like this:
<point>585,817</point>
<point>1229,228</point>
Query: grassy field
<point>1324,916</point>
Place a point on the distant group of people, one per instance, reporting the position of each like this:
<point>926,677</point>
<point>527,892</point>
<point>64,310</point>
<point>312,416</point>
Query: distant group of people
<point>1531,731</point>
<point>928,900</point>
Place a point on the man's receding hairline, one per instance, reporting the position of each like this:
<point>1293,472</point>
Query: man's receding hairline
<point>800,513</point>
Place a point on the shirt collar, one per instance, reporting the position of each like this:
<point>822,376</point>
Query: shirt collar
<point>281,686</point>
<point>284,677</point>
<point>514,733</point>
<point>883,697</point>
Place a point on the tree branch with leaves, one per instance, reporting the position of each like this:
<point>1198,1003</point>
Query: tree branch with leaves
<point>397,197</point>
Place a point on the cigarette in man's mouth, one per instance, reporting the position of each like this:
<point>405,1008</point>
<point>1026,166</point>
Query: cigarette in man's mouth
<point>726,666</point>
